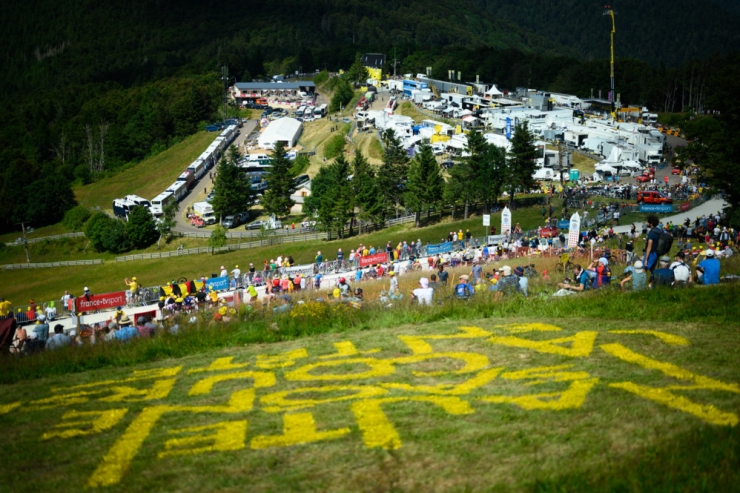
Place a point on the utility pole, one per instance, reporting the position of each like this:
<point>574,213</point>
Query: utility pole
<point>395,62</point>
<point>25,241</point>
<point>610,12</point>
<point>225,78</point>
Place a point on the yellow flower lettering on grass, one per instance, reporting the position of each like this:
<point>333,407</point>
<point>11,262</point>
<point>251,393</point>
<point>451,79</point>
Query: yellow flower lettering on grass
<point>280,401</point>
<point>419,345</point>
<point>570,398</point>
<point>160,389</point>
<point>582,343</point>
<point>282,360</point>
<point>378,431</point>
<point>6,408</point>
<point>261,379</point>
<point>346,349</point>
<point>480,379</point>
<point>298,428</point>
<point>221,364</point>
<point>85,423</point>
<point>671,339</point>
<point>473,362</point>
<point>376,368</point>
<point>116,462</point>
<point>666,395</point>
<point>524,328</point>
<point>229,435</point>
<point>137,376</point>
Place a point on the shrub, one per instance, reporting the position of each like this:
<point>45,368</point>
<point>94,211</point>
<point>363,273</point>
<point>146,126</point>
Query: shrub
<point>106,233</point>
<point>335,146</point>
<point>76,217</point>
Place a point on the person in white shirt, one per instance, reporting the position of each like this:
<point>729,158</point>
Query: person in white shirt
<point>394,281</point>
<point>224,272</point>
<point>681,271</point>
<point>423,294</point>
<point>237,273</point>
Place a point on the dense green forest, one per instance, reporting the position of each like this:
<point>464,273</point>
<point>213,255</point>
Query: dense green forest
<point>89,87</point>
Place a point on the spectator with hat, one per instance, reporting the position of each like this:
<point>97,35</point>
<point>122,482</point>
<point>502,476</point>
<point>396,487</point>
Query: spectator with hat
<point>707,272</point>
<point>126,330</point>
<point>523,281</point>
<point>463,290</point>
<point>507,284</point>
<point>638,277</point>
<point>133,287</point>
<point>423,294</point>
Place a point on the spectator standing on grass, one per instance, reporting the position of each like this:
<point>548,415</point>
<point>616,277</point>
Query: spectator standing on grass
<point>443,275</point>
<point>41,328</point>
<point>476,272</point>
<point>394,282</point>
<point>650,257</point>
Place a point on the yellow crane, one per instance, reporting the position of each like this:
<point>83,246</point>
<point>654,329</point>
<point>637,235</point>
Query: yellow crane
<point>610,12</point>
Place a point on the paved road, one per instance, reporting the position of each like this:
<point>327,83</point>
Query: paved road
<point>708,207</point>
<point>182,224</point>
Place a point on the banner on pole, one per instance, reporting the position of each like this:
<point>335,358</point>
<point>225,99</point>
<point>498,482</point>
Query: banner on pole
<point>439,248</point>
<point>100,301</point>
<point>506,222</point>
<point>377,258</point>
<point>574,230</point>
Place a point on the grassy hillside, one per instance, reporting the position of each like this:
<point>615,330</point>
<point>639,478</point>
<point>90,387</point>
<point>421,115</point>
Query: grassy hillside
<point>149,177</point>
<point>474,397</point>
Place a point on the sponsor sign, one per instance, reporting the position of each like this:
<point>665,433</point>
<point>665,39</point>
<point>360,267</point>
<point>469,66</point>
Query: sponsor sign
<point>376,258</point>
<point>574,230</point>
<point>506,222</point>
<point>486,219</point>
<point>100,301</point>
<point>563,224</point>
<point>656,208</point>
<point>685,206</point>
<point>496,239</point>
<point>508,127</point>
<point>439,248</point>
<point>217,283</point>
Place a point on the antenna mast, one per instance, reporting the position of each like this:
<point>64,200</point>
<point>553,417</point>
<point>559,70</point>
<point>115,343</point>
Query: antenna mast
<point>610,12</point>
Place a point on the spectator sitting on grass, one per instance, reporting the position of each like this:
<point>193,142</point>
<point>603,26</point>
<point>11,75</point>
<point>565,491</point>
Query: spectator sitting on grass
<point>707,272</point>
<point>663,276</point>
<point>582,282</point>
<point>523,281</point>
<point>508,284</point>
<point>638,277</point>
<point>59,339</point>
<point>127,331</point>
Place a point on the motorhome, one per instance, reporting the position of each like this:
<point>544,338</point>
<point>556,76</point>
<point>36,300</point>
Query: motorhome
<point>320,112</point>
<point>122,208</point>
<point>160,202</point>
<point>138,200</point>
<point>179,189</point>
<point>188,177</point>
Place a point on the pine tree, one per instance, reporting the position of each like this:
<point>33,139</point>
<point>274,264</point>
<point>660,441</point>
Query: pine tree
<point>425,184</point>
<point>468,171</point>
<point>232,193</point>
<point>492,176</point>
<point>332,198</point>
<point>280,181</point>
<point>365,190</point>
<point>520,164</point>
<point>393,173</point>
<point>357,73</point>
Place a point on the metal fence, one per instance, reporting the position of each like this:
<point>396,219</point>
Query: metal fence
<point>43,238</point>
<point>43,265</point>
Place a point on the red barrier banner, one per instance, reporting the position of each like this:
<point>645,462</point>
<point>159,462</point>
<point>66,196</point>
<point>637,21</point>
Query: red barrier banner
<point>100,301</point>
<point>685,206</point>
<point>376,258</point>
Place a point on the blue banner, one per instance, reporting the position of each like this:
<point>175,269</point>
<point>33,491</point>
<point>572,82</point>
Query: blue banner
<point>441,248</point>
<point>656,208</point>
<point>217,283</point>
<point>508,127</point>
<point>563,224</point>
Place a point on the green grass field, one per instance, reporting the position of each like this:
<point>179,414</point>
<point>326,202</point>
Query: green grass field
<point>148,178</point>
<point>600,392</point>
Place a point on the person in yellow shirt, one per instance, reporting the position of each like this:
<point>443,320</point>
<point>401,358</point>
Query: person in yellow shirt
<point>5,307</point>
<point>133,287</point>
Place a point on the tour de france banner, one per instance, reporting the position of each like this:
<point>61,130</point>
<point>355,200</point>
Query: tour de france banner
<point>506,222</point>
<point>217,283</point>
<point>376,258</point>
<point>100,301</point>
<point>439,248</point>
<point>574,230</point>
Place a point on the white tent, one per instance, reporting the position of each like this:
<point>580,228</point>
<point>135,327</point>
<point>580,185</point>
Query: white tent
<point>604,168</point>
<point>286,130</point>
<point>493,91</point>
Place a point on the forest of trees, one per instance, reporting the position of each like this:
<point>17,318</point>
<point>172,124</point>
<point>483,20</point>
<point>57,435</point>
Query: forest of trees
<point>90,88</point>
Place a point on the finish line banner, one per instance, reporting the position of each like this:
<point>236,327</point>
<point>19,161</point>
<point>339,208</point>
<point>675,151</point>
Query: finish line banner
<point>376,258</point>
<point>439,248</point>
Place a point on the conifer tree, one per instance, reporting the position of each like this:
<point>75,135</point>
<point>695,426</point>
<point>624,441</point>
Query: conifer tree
<point>280,182</point>
<point>425,184</point>
<point>232,192</point>
<point>366,194</point>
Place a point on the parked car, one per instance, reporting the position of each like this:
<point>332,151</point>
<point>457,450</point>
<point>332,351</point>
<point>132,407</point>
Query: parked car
<point>255,225</point>
<point>438,149</point>
<point>645,177</point>
<point>548,232</point>
<point>229,222</point>
<point>447,164</point>
<point>675,171</point>
<point>652,197</point>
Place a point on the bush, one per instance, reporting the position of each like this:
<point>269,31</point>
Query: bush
<point>106,233</point>
<point>321,77</point>
<point>334,147</point>
<point>140,229</point>
<point>76,217</point>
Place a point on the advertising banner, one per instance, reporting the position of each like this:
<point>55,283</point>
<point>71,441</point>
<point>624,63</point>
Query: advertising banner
<point>217,283</point>
<point>377,258</point>
<point>506,222</point>
<point>574,230</point>
<point>100,301</point>
<point>508,127</point>
<point>496,239</point>
<point>486,219</point>
<point>563,224</point>
<point>685,206</point>
<point>439,248</point>
<point>656,208</point>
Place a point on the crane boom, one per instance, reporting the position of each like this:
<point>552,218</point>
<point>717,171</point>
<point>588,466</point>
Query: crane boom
<point>610,12</point>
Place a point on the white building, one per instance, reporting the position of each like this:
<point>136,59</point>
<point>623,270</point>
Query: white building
<point>286,130</point>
